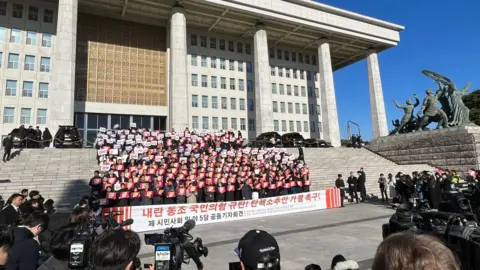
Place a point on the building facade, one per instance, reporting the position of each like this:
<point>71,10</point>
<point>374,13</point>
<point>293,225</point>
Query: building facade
<point>253,65</point>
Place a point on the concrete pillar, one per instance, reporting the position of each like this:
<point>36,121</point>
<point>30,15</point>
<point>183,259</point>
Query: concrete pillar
<point>377,105</point>
<point>178,77</point>
<point>331,130</point>
<point>263,92</point>
<point>62,89</point>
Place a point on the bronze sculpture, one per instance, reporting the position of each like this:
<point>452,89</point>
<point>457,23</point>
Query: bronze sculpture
<point>452,113</point>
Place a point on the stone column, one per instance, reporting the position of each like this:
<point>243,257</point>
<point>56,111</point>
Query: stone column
<point>263,92</point>
<point>331,130</point>
<point>62,89</point>
<point>178,77</point>
<point>377,105</point>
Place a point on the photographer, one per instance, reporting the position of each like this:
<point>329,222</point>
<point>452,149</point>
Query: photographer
<point>60,248</point>
<point>258,250</point>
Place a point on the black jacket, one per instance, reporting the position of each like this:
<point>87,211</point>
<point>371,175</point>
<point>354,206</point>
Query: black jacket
<point>9,216</point>
<point>24,253</point>
<point>361,178</point>
<point>8,143</point>
<point>46,135</point>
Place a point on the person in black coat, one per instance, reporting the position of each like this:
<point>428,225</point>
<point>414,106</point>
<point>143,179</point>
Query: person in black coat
<point>38,138</point>
<point>24,253</point>
<point>352,187</point>
<point>30,137</point>
<point>11,213</point>
<point>340,184</point>
<point>47,138</point>
<point>361,184</point>
<point>7,146</point>
<point>23,134</point>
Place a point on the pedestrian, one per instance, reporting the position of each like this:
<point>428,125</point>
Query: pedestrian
<point>382,184</point>
<point>38,138</point>
<point>361,184</point>
<point>352,187</point>
<point>340,184</point>
<point>7,147</point>
<point>10,215</point>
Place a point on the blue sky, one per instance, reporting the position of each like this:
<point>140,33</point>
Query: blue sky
<point>440,35</point>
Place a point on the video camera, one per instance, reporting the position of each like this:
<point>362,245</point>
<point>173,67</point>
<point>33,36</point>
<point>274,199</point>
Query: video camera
<point>80,248</point>
<point>459,231</point>
<point>175,246</point>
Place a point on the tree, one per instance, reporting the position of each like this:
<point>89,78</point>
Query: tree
<point>472,101</point>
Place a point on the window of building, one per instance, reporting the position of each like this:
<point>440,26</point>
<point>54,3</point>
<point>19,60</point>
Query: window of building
<point>48,16</point>
<point>25,116</point>
<point>271,53</point>
<point>194,80</point>
<point>304,108</point>
<point>43,90</point>
<point>231,64</point>
<point>222,44</point>
<point>251,106</point>
<point>307,59</point>
<point>194,122</point>
<point>272,70</point>
<point>279,54</point>
<point>203,41</point>
<point>11,89</point>
<point>205,124</point>
<point>17,11</point>
<point>297,108</point>
<point>280,71</point>
<point>32,13</point>
<point>294,56</point>
<point>46,40</point>
<point>302,76</point>
<point>287,73</point>
<point>274,88</point>
<point>27,90</point>
<point>291,128</point>
<point>249,85</point>
<point>204,81</point>
<point>286,55</point>
<point>204,101</point>
<point>241,84</point>
<point>248,49</point>
<point>304,93</point>
<point>314,60</point>
<point>318,110</point>
<point>233,103</point>
<point>8,115</point>
<point>193,60</point>
<point>41,116</point>
<point>16,36</point>
<point>251,124</point>
<point>45,64</point>
<point>224,103</point>
<point>240,66</point>
<point>12,61</point>
<point>299,126</point>
<point>249,67</point>
<point>312,126</point>
<point>282,107</point>
<point>305,126</point>
<point>29,63</point>
<point>213,62</point>
<point>281,89</point>
<point>231,46</point>
<point>239,47</point>
<point>276,126</point>
<point>224,123</point>
<point>2,33</point>
<point>243,124</point>
<point>317,94</point>
<point>193,40</point>
<point>310,91</point>
<point>289,90</point>
<point>234,123</point>
<point>1,59</point>
<point>295,90</point>
<point>232,83</point>
<point>284,125</point>
<point>3,8</point>
<point>309,75</point>
<point>215,123</point>
<point>204,61</point>
<point>214,102</point>
<point>31,38</point>
<point>310,109</point>
<point>213,43</point>
<point>242,104</point>
<point>275,106</point>
<point>223,83</point>
<point>195,101</point>
<point>214,81</point>
<point>300,58</point>
<point>222,63</point>
<point>290,107</point>
<point>295,72</point>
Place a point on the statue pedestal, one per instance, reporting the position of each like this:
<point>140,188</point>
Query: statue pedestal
<point>456,148</point>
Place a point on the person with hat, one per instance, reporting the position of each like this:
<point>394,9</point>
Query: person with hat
<point>258,250</point>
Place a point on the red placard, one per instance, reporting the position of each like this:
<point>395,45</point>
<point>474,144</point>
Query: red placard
<point>112,180</point>
<point>193,189</point>
<point>265,184</point>
<point>171,194</point>
<point>201,184</point>
<point>221,190</point>
<point>181,191</point>
<point>134,195</point>
<point>210,188</point>
<point>160,192</point>
<point>124,195</point>
<point>143,185</point>
<point>111,195</point>
<point>130,185</point>
<point>231,188</point>
<point>308,182</point>
<point>148,194</point>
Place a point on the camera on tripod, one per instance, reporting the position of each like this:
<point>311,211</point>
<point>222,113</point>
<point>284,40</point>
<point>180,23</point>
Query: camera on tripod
<point>175,246</point>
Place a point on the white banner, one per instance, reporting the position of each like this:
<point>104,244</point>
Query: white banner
<point>158,217</point>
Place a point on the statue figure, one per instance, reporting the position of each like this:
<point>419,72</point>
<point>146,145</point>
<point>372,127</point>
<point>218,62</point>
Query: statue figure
<point>431,112</point>
<point>408,116</point>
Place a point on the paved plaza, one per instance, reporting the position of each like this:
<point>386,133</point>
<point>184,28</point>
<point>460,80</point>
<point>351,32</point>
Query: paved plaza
<point>304,238</point>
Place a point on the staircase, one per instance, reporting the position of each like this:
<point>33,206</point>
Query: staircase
<point>326,163</point>
<point>63,174</point>
<point>59,174</point>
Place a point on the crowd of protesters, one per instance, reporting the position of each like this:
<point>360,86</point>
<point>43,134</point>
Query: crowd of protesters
<point>140,167</point>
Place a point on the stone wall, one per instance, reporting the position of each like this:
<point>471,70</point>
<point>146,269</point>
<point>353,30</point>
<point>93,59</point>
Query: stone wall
<point>455,148</point>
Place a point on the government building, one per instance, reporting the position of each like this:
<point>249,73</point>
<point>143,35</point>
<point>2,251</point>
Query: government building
<point>248,65</point>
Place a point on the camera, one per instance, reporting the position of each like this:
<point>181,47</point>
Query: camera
<point>175,246</point>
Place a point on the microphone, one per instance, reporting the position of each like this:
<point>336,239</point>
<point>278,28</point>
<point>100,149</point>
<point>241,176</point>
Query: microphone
<point>125,223</point>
